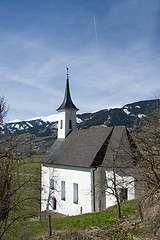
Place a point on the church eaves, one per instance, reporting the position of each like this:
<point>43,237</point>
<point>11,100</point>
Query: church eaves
<point>67,102</point>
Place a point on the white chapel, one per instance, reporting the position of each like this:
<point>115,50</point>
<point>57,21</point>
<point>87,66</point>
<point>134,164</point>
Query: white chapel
<point>77,170</point>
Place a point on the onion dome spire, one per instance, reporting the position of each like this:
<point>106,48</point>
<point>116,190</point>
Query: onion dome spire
<point>67,102</point>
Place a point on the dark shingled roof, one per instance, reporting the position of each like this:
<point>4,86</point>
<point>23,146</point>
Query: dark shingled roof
<point>119,152</point>
<point>91,148</point>
<point>67,102</point>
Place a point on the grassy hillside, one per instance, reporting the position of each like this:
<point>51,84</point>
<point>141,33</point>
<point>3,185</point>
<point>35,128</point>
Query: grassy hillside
<point>100,225</point>
<point>32,144</point>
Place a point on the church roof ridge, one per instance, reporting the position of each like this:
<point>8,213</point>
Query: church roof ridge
<point>92,147</point>
<point>67,101</point>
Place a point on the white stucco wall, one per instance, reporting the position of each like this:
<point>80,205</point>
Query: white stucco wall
<point>70,175</point>
<point>123,180</point>
<point>82,177</point>
<point>65,116</point>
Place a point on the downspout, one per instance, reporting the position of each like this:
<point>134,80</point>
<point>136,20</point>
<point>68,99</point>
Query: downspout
<point>93,206</point>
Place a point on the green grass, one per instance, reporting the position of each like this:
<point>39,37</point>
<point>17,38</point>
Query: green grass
<point>101,220</point>
<point>47,138</point>
<point>36,144</point>
<point>31,165</point>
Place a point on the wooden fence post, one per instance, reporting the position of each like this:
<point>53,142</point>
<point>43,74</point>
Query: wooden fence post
<point>49,225</point>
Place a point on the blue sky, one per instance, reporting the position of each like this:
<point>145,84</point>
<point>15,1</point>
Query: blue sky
<point>111,47</point>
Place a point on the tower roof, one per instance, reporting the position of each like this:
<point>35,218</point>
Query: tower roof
<point>67,102</point>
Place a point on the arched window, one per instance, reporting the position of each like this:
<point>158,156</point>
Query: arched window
<point>61,124</point>
<point>54,202</point>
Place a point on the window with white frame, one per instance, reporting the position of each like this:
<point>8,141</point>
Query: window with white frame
<point>63,191</point>
<point>51,184</point>
<point>75,193</point>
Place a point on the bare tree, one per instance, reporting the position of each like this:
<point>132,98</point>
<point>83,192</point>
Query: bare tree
<point>16,185</point>
<point>147,138</point>
<point>115,180</point>
<point>119,182</point>
<point>144,155</point>
<point>3,110</point>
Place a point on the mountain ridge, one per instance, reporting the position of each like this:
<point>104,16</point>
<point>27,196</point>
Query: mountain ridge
<point>36,135</point>
<point>129,115</point>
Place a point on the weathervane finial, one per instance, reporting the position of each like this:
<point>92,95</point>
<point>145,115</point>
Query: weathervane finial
<point>67,72</point>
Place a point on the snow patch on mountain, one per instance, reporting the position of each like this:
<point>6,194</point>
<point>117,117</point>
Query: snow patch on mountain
<point>16,120</point>
<point>109,108</point>
<point>29,124</point>
<point>141,115</point>
<point>16,126</point>
<point>78,120</point>
<point>116,107</point>
<point>50,118</point>
<point>126,111</point>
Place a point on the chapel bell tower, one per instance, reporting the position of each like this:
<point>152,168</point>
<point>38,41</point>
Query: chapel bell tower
<point>67,114</point>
